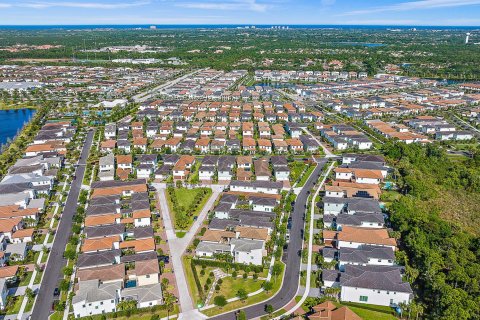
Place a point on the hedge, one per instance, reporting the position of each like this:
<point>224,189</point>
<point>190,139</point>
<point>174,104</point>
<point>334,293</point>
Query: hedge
<point>223,264</point>
<point>197,281</point>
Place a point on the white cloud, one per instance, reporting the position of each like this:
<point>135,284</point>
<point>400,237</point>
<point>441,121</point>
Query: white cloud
<point>83,5</point>
<point>5,5</point>
<point>415,5</point>
<point>250,5</point>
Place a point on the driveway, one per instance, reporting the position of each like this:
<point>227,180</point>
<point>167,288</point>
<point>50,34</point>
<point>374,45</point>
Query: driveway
<point>289,288</point>
<point>55,263</point>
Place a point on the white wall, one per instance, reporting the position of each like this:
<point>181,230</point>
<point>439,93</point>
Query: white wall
<point>377,297</point>
<point>93,308</point>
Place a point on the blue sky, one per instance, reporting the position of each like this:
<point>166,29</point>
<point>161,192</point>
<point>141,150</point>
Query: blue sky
<point>363,12</point>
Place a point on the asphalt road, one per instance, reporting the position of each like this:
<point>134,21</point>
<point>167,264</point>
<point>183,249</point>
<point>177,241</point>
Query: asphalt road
<point>293,262</point>
<point>53,272</point>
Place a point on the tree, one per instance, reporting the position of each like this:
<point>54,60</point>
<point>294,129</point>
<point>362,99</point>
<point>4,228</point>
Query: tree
<point>68,271</point>
<point>269,309</point>
<point>241,315</point>
<point>169,301</point>
<point>220,301</point>
<point>242,294</point>
<point>29,293</point>
<point>276,269</point>
<point>267,286</point>
<point>125,305</point>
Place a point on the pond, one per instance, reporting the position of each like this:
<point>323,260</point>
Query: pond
<point>12,122</point>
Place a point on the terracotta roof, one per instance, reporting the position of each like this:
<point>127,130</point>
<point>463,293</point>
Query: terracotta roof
<point>124,159</point>
<point>12,211</point>
<point>101,220</point>
<point>217,235</point>
<point>100,244</point>
<point>145,267</point>
<point>252,233</point>
<point>108,144</point>
<point>22,233</point>
<point>107,273</point>
<point>8,272</point>
<point>7,225</point>
<point>142,214</point>
<point>366,235</point>
<point>139,245</point>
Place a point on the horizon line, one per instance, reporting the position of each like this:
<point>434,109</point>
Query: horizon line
<point>239,24</point>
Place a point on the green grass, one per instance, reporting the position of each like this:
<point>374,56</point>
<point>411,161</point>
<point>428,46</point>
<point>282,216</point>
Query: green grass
<point>147,315</point>
<point>277,282</point>
<point>14,306</point>
<point>29,305</point>
<point>180,234</point>
<point>296,169</point>
<point>305,176</point>
<point>366,314</point>
<point>230,287</point>
<point>185,198</point>
<point>38,277</point>
<point>190,279</point>
<point>57,315</point>
<point>26,280</point>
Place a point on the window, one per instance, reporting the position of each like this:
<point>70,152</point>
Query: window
<point>363,298</point>
<point>147,276</point>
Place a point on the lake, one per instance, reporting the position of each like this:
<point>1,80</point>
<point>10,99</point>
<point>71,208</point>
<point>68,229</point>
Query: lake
<point>12,121</point>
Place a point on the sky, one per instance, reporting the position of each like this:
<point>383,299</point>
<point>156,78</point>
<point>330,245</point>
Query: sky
<point>248,12</point>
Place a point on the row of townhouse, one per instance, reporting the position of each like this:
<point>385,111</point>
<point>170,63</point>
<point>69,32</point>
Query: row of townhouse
<point>73,80</point>
<point>398,132</point>
<point>343,137</point>
<point>306,76</point>
<point>123,166</point>
<point>23,190</point>
<point>440,128</point>
<point>242,222</point>
<point>214,137</point>
<point>118,259</point>
<point>356,237</point>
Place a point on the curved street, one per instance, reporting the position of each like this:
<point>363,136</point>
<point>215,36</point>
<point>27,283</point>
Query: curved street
<point>291,279</point>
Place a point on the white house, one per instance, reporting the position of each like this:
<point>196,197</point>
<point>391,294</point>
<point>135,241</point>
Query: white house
<point>93,298</point>
<point>248,251</point>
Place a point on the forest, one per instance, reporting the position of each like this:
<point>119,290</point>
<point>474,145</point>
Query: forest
<point>424,53</point>
<point>441,253</point>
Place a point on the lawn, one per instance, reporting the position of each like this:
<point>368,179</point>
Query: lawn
<point>250,300</point>
<point>367,314</point>
<point>26,280</point>
<point>230,286</point>
<point>296,169</point>
<point>13,307</point>
<point>305,176</point>
<point>185,198</point>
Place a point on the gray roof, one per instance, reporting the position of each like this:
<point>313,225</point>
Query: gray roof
<point>223,224</point>
<point>102,209</point>
<point>93,291</point>
<point>212,247</point>
<point>108,160</point>
<point>116,183</point>
<point>359,218</point>
<point>139,257</point>
<point>152,292</point>
<point>105,230</point>
<point>142,232</point>
<point>374,277</point>
<point>246,245</point>
<point>363,253</point>
<point>86,260</point>
<point>257,184</point>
